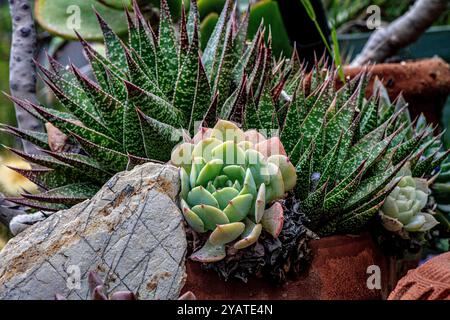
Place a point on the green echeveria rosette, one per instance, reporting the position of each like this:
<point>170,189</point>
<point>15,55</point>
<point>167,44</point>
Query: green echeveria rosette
<point>228,178</point>
<point>440,191</point>
<point>403,209</point>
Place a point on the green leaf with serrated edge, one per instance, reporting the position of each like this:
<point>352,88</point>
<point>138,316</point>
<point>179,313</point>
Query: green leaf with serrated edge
<point>39,139</point>
<point>113,44</point>
<point>313,204</point>
<point>316,164</point>
<point>153,106</point>
<point>109,108</point>
<point>303,170</point>
<point>296,153</point>
<point>99,71</point>
<point>371,186</point>
<point>27,106</point>
<point>371,154</point>
<point>139,78</point>
<point>38,205</point>
<point>240,35</point>
<point>68,195</point>
<point>73,92</point>
<point>267,111</point>
<point>134,161</point>
<point>193,21</point>
<point>184,43</point>
<point>133,139</point>
<point>306,102</point>
<point>202,98</point>
<point>346,143</point>
<point>227,106</point>
<point>367,142</point>
<point>314,120</point>
<point>116,87</point>
<point>361,89</point>
<point>369,118</point>
<point>82,114</point>
<point>68,125</point>
<point>257,76</point>
<point>438,161</point>
<point>328,170</point>
<point>238,109</point>
<point>51,178</point>
<point>377,199</point>
<point>142,40</point>
<point>159,138</point>
<point>83,163</point>
<point>41,160</point>
<point>167,51</point>
<point>423,166</point>
<point>251,118</point>
<point>342,184</point>
<point>334,202</point>
<point>186,84</point>
<point>352,224</point>
<point>291,128</point>
<point>248,58</point>
<point>210,118</point>
<point>93,54</point>
<point>400,138</point>
<point>110,159</point>
<point>223,76</point>
<point>214,48</point>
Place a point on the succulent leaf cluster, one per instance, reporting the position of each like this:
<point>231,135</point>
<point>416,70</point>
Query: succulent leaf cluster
<point>228,176</point>
<point>403,210</point>
<point>150,91</point>
<point>143,93</point>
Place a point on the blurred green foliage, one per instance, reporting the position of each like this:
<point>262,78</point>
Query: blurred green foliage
<point>7,114</point>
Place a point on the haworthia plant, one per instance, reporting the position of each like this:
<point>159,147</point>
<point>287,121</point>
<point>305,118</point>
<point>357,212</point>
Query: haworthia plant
<point>155,89</point>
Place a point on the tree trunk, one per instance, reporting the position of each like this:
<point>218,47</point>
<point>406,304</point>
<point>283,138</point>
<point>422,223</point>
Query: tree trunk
<point>22,68</point>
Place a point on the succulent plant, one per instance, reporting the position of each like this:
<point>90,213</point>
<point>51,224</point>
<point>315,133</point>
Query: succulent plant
<point>440,191</point>
<point>151,91</point>
<point>348,149</point>
<point>440,200</point>
<point>97,291</point>
<point>228,176</point>
<point>145,91</point>
<point>403,210</point>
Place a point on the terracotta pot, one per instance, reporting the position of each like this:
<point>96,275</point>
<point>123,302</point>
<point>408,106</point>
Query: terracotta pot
<point>430,281</point>
<point>425,84</point>
<point>338,271</point>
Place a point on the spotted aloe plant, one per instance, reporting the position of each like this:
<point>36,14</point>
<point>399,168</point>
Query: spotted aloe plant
<point>228,177</point>
<point>144,92</point>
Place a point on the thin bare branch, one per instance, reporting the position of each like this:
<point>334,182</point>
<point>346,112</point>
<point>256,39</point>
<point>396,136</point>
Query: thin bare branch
<point>385,42</point>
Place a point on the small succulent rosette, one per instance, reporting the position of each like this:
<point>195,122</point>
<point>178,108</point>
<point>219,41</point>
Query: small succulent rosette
<point>403,211</point>
<point>230,181</point>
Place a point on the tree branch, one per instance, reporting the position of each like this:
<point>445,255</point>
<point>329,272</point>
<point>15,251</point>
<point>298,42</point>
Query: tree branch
<point>22,69</point>
<point>385,42</point>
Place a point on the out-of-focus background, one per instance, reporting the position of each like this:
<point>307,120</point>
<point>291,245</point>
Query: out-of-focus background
<point>347,17</point>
